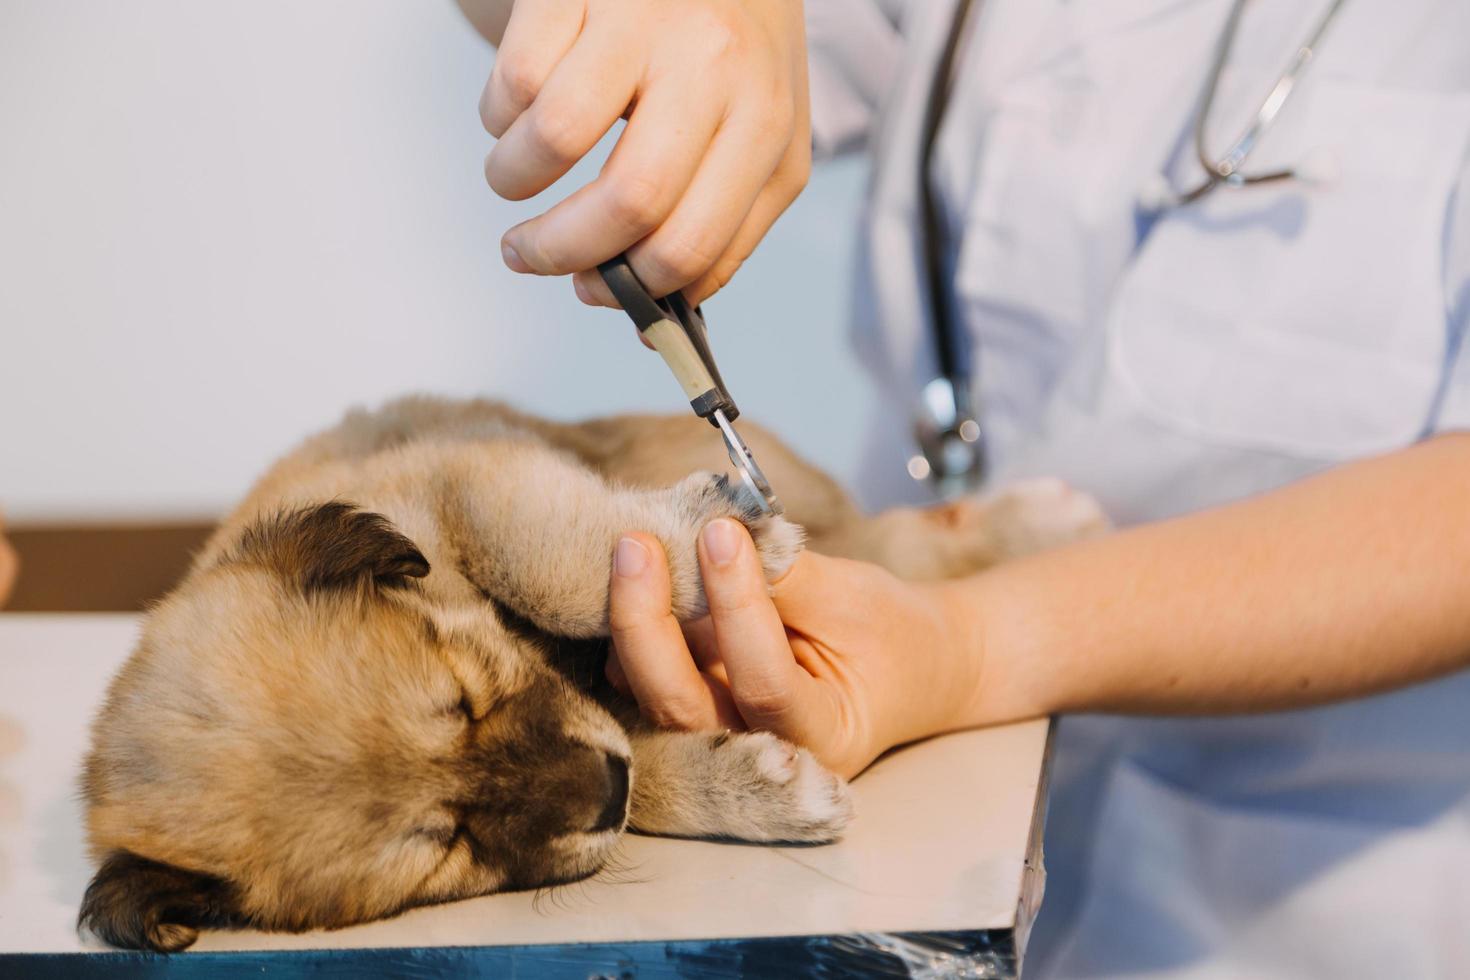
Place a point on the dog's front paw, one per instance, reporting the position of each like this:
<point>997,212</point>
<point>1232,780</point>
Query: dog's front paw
<point>778,542</point>
<point>1033,515</point>
<point>786,795</point>
<point>707,496</point>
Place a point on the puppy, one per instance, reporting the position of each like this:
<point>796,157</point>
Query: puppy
<point>379,685</point>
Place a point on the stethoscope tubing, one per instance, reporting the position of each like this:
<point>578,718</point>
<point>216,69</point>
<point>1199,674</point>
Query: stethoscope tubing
<point>1226,170</point>
<point>943,439</point>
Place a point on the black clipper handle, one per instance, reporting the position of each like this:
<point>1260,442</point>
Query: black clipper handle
<point>676,330</point>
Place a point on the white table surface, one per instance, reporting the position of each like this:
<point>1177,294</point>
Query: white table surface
<point>939,842</point>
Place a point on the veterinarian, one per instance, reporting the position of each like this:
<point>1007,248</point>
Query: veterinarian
<point>1262,380</point>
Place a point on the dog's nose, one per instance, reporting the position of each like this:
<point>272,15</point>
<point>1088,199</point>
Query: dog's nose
<point>616,807</point>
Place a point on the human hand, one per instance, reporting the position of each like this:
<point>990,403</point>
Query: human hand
<point>718,140</point>
<point>863,661</point>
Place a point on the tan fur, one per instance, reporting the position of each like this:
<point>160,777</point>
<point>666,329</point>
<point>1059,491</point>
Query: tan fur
<point>372,689</point>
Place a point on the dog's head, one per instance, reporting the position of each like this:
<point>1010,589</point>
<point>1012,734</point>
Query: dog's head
<point>303,738</point>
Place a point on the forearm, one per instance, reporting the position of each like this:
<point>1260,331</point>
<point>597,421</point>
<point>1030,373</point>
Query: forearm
<point>1346,584</point>
<point>489,17</point>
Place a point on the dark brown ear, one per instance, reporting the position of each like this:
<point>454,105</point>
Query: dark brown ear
<point>333,546</point>
<point>136,903</point>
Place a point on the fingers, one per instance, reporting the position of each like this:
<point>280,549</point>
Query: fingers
<point>716,147</point>
<point>651,655</point>
<point>539,33</point>
<point>768,687</point>
<point>743,672</point>
<point>726,715</point>
<point>698,230</point>
<point>707,238</point>
<point>649,170</point>
<point>774,199</point>
<point>588,90</point>
<point>787,125</point>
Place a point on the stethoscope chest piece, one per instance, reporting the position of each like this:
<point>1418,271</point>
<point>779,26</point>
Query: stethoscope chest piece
<point>951,455</point>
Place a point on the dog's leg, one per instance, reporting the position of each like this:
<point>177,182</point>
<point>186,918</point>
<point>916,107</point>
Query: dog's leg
<point>535,530</point>
<point>942,541</point>
<point>748,786</point>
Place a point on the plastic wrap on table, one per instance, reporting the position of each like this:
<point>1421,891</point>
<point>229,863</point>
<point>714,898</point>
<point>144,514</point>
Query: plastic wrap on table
<point>982,954</point>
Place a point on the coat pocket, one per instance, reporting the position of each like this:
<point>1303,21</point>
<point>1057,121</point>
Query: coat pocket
<point>1308,320</point>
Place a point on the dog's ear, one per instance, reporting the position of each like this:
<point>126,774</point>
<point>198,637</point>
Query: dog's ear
<point>331,546</point>
<point>136,903</point>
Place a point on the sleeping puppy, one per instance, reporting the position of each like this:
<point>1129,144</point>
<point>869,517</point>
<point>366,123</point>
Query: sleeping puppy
<point>380,684</point>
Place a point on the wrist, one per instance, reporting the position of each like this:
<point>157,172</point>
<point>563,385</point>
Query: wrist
<point>954,665</point>
<point>921,687</point>
<point>999,628</point>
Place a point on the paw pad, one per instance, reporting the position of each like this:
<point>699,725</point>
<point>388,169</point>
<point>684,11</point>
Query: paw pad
<point>776,760</point>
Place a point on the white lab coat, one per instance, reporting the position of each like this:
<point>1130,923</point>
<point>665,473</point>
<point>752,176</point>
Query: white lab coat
<point>1227,348</point>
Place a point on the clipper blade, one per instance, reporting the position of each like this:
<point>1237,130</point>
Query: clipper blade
<point>747,467</point>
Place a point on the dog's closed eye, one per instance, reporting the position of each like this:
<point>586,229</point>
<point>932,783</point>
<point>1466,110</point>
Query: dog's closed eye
<point>469,708</point>
<point>475,703</point>
<point>466,707</point>
<point>445,835</point>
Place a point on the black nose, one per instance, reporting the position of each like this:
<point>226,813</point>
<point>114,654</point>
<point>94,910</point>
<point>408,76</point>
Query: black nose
<point>616,807</point>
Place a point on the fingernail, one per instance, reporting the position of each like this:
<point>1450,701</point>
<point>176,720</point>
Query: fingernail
<point>630,558</point>
<point>513,258</point>
<point>721,541</point>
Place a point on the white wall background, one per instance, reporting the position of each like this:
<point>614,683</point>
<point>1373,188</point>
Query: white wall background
<point>223,224</point>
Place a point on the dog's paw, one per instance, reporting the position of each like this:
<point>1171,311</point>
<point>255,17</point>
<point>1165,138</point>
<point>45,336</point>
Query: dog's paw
<point>778,542</point>
<point>746,786</point>
<point>786,795</point>
<point>1033,515</point>
<point>707,496</point>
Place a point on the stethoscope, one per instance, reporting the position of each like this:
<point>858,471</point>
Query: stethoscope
<point>947,426</point>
